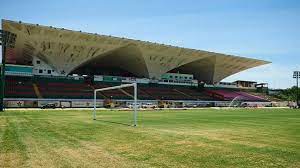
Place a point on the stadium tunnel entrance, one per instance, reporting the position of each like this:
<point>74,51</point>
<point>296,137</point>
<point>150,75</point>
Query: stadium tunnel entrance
<point>125,61</point>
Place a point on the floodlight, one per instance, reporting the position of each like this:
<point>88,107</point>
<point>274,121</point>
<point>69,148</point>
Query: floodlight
<point>297,77</point>
<point>7,39</point>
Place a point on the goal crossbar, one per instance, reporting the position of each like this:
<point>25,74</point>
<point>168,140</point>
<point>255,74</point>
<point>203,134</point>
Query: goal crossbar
<point>134,85</point>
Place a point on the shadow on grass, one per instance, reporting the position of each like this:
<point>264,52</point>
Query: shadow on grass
<point>113,122</point>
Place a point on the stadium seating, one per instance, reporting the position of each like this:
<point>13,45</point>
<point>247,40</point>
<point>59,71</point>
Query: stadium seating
<point>113,94</point>
<point>163,93</point>
<point>264,96</point>
<point>142,95</point>
<point>174,93</point>
<point>250,97</point>
<point>231,94</point>
<point>64,88</point>
<point>19,86</point>
<point>195,94</point>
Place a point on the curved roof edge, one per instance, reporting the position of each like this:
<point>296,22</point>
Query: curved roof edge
<point>65,50</point>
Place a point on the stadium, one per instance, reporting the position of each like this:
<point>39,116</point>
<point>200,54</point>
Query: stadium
<point>77,99</point>
<point>55,65</point>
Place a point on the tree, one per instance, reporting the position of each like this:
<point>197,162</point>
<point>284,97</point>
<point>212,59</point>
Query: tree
<point>289,94</point>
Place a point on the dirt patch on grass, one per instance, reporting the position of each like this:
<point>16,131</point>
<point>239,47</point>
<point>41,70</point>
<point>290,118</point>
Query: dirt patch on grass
<point>188,143</point>
<point>92,155</point>
<point>39,157</point>
<point>11,160</point>
<point>89,155</point>
<point>229,136</point>
<point>223,135</point>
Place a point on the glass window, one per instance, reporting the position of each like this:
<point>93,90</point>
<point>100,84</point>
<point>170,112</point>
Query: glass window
<point>38,62</point>
<point>40,71</point>
<point>49,71</point>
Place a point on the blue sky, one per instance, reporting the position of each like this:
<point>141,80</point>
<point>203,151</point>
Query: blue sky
<point>263,29</point>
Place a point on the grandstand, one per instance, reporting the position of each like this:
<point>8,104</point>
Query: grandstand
<point>51,64</point>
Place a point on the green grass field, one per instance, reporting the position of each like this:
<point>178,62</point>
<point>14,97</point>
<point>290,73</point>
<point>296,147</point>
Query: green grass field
<point>178,138</point>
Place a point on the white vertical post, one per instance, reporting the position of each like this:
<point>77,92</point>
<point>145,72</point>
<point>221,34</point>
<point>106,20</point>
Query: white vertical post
<point>95,96</point>
<point>135,103</point>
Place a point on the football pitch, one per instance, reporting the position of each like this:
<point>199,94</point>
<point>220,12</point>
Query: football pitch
<point>165,138</point>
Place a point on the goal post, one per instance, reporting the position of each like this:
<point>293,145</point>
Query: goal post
<point>134,85</point>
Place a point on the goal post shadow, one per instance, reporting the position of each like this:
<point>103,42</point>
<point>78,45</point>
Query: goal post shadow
<point>134,85</point>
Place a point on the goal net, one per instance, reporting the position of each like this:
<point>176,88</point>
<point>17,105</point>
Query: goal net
<point>134,85</point>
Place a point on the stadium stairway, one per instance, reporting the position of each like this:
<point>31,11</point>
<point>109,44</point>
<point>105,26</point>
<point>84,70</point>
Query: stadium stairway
<point>184,94</point>
<point>195,94</point>
<point>37,91</point>
<point>113,94</point>
<point>126,93</point>
<point>163,93</point>
<point>141,94</point>
<point>144,95</point>
<point>61,88</point>
<point>100,93</point>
